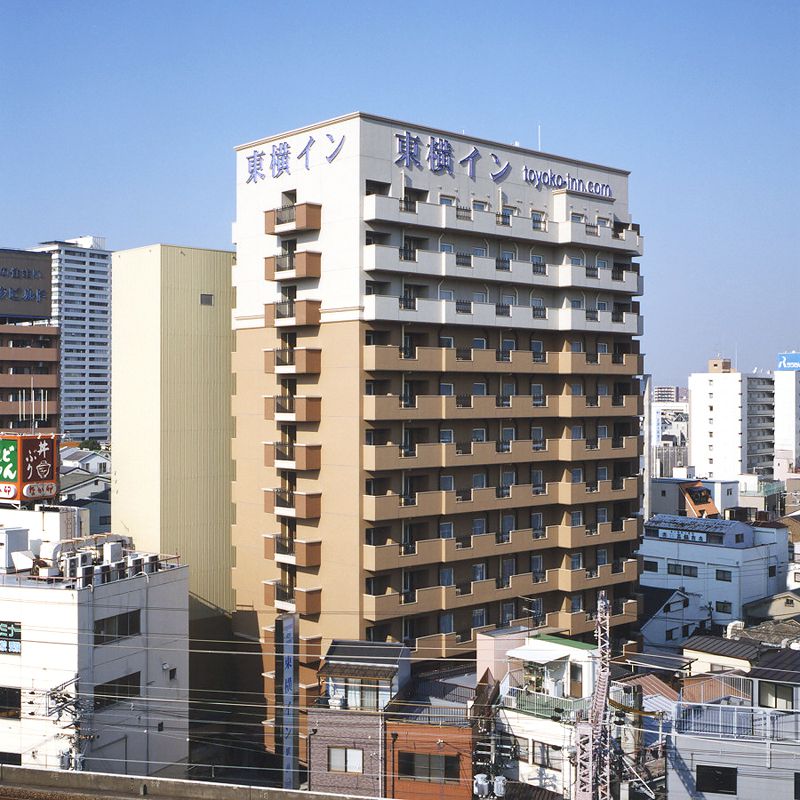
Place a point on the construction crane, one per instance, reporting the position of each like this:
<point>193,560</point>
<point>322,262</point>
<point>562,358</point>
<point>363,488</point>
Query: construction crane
<point>592,736</point>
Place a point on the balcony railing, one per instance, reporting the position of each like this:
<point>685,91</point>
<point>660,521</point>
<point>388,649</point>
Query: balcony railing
<point>503,401</point>
<point>591,271</point>
<point>502,264</point>
<point>407,254</point>
<point>502,355</point>
<point>284,310</point>
<point>408,204</point>
<point>502,446</point>
<point>617,483</point>
<point>539,269</point>
<point>617,358</point>
<point>285,357</point>
<point>285,215</point>
<point>617,316</point>
<point>592,229</point>
<point>539,312</point>
<point>463,307</point>
<point>546,705</point>
<point>284,451</point>
<point>503,219</point>
<point>463,212</point>
<point>502,310</point>
<point>284,547</point>
<point>463,401</point>
<point>591,315</point>
<point>284,593</point>
<point>284,263</point>
<point>407,303</point>
<point>463,354</point>
<point>737,722</point>
<point>284,404</point>
<point>284,498</point>
<point>463,259</point>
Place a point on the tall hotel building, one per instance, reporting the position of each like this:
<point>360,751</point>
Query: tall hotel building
<point>82,311</point>
<point>436,396</point>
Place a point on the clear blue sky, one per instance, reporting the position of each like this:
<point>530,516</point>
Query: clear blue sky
<point>119,118</point>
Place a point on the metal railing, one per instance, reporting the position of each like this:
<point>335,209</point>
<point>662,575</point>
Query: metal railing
<point>284,404</point>
<point>463,401</point>
<point>463,259</point>
<point>284,263</point>
<point>503,401</point>
<point>407,303</point>
<point>502,218</point>
<point>502,264</point>
<point>544,705</point>
<point>285,214</point>
<point>591,314</point>
<point>591,271</point>
<point>284,498</point>
<point>284,310</point>
<point>618,358</point>
<point>617,316</point>
<point>592,229</point>
<point>539,312</point>
<point>463,212</point>
<point>284,593</point>
<point>285,357</point>
<point>463,307</point>
<point>539,224</point>
<point>539,269</point>
<point>502,355</point>
<point>408,204</point>
<point>502,310</point>
<point>284,547</point>
<point>284,451</point>
<point>407,253</point>
<point>737,722</point>
<point>463,354</point>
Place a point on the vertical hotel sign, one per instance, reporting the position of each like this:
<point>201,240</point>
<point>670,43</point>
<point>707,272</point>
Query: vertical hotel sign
<point>28,467</point>
<point>286,697</point>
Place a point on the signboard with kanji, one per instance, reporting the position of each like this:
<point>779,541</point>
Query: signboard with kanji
<point>28,467</point>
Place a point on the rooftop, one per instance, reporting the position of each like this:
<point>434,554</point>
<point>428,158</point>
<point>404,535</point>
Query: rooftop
<point>353,651</point>
<point>781,665</point>
<point>730,648</point>
<point>699,524</point>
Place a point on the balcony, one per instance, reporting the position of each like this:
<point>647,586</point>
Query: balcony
<point>393,555</point>
<point>279,596</point>
<point>427,407</point>
<point>12,408</point>
<point>289,503</point>
<point>293,361</point>
<point>593,449</point>
<point>298,217</point>
<point>293,266</point>
<point>292,313</point>
<point>34,354</point>
<point>740,722</point>
<point>10,381</point>
<point>447,645</point>
<point>281,455</point>
<point>300,552</point>
<point>286,408</point>
<point>600,364</point>
<point>579,580</point>
<point>607,491</point>
<point>597,535</point>
<point>630,405</point>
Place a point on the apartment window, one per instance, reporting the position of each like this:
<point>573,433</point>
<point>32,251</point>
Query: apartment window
<point>650,566</point>
<point>445,200</point>
<point>106,694</point>
<point>507,612</point>
<point>479,480</point>
<point>686,630</point>
<point>739,538</point>
<point>576,561</point>
<point>446,341</point>
<point>445,530</point>
<point>673,569</point>
<point>576,518</point>
<point>446,576</point>
<point>689,571</point>
<point>428,767</point>
<point>444,247</point>
<point>117,627</point>
<point>446,436</point>
<point>537,259</point>
<point>576,303</point>
<point>522,749</point>
<point>446,483</point>
<point>576,475</point>
<point>576,603</point>
<point>478,617</point>
<point>723,607</point>
<point>718,780</point>
<point>345,759</point>
<point>724,575</point>
<point>478,526</point>
<point>479,434</point>
<point>772,571</point>
<point>775,695</point>
<point>602,431</point>
<point>206,299</point>
<point>602,347</point>
<point>446,624</point>
<point>602,473</point>
<point>602,514</point>
<point>537,521</point>
<point>671,634</point>
<point>479,297</point>
<point>479,251</point>
<point>576,261</point>
<point>479,388</point>
<point>479,205</point>
<point>446,389</point>
<point>10,702</point>
<point>479,343</point>
<point>447,294</point>
<point>479,571</point>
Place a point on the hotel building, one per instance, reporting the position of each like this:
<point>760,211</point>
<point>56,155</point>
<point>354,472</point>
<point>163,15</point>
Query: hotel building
<point>436,396</point>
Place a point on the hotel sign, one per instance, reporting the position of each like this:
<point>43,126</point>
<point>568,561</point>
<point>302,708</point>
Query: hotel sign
<point>24,284</point>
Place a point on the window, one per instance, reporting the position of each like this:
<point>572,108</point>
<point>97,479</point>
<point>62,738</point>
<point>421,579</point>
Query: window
<point>206,299</point>
<point>10,702</point>
<point>602,473</point>
<point>689,571</point>
<point>724,575</point>
<point>576,518</point>
<point>522,748</point>
<point>446,624</point>
<point>772,571</point>
<point>479,388</point>
<point>428,767</point>
<point>686,630</point>
<point>479,480</point>
<point>345,759</point>
<point>446,389</point>
<point>446,576</point>
<point>775,695</point>
<point>479,571</point>
<point>478,526</point>
<point>106,694</point>
<point>546,755</point>
<point>650,566</point>
<point>602,514</point>
<point>445,530</point>
<point>479,434</point>
<point>575,217</point>
<point>446,483</point>
<point>602,431</point>
<point>479,251</point>
<point>537,521</point>
<point>479,297</point>
<point>478,617</point>
<point>673,569</point>
<point>446,436</point>
<point>576,603</point>
<point>576,561</point>
<point>671,634</point>
<point>719,780</point>
<point>576,261</point>
<point>447,294</point>
<point>576,475</point>
<point>445,200</point>
<point>723,607</point>
<point>537,259</point>
<point>445,247</point>
<point>117,627</point>
<point>479,344</point>
<point>479,205</point>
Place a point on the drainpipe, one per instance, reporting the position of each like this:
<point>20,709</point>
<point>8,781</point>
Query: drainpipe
<point>394,760</point>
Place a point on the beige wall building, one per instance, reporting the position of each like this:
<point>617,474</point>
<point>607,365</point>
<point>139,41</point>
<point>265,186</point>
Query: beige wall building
<point>436,395</point>
<point>171,465</point>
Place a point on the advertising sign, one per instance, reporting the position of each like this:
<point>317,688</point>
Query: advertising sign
<point>24,284</point>
<point>28,467</point>
<point>10,638</point>
<point>788,361</point>
<point>286,697</point>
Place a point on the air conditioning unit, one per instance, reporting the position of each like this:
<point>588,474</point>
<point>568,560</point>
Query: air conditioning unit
<point>86,558</point>
<point>102,573</point>
<point>135,564</point>
<point>85,576</point>
<point>71,566</point>
<point>119,570</point>
<point>151,563</point>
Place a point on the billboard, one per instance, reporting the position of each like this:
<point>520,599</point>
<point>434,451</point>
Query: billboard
<point>286,696</point>
<point>788,362</point>
<point>24,284</point>
<point>28,467</point>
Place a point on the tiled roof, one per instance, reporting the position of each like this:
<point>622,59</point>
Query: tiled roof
<point>716,645</point>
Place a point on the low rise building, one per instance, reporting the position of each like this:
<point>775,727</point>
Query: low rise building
<point>726,562</point>
<point>93,654</point>
<point>690,497</point>
<point>670,617</point>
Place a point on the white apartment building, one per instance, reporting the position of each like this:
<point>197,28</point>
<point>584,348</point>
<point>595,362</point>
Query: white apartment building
<point>732,420</point>
<point>81,292</point>
<point>787,415</point>
<point>94,664</point>
<point>726,562</point>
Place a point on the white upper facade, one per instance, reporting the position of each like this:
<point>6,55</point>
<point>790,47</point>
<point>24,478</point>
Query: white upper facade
<point>787,421</point>
<point>554,205</point>
<point>81,281</point>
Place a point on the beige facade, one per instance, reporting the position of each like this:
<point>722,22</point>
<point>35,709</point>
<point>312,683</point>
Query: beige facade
<point>436,390</point>
<point>171,465</point>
